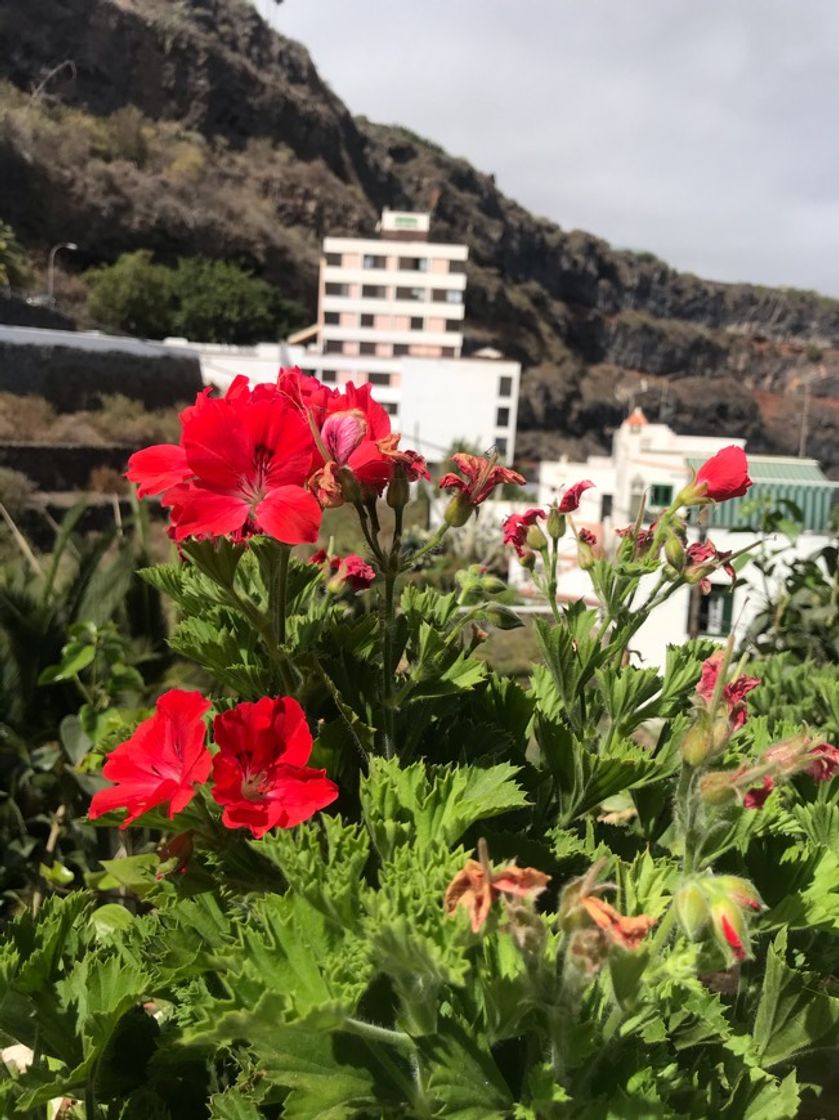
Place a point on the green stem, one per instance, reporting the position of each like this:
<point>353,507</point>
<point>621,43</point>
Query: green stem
<point>375,1033</point>
<point>281,605</point>
<point>426,548</point>
<point>386,613</point>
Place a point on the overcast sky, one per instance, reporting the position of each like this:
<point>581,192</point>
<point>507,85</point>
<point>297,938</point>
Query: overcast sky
<point>705,131</point>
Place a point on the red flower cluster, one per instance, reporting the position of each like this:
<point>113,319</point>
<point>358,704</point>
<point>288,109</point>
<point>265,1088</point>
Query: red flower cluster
<point>733,694</point>
<point>570,500</point>
<point>753,782</point>
<point>269,459</point>
<point>703,558</point>
<point>351,569</point>
<point>481,476</point>
<point>516,525</point>
<point>260,774</point>
<point>724,476</point>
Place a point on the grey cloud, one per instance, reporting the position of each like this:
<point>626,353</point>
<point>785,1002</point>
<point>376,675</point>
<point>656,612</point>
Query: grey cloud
<point>704,132</point>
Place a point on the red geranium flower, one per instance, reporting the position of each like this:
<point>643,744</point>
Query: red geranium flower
<point>733,694</point>
<point>260,774</point>
<point>162,761</point>
<point>516,525</point>
<point>824,762</point>
<point>351,569</point>
<point>724,476</point>
<point>240,468</point>
<point>571,498</point>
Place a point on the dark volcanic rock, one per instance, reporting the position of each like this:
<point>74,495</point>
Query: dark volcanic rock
<point>278,161</point>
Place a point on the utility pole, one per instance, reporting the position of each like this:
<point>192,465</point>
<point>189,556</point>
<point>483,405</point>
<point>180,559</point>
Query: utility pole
<point>72,246</point>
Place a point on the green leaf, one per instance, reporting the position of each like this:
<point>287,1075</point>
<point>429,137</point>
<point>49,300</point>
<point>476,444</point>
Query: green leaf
<point>74,658</point>
<point>792,1014</point>
<point>462,1078</point>
<point>233,1105</point>
<point>74,739</point>
<point>110,919</point>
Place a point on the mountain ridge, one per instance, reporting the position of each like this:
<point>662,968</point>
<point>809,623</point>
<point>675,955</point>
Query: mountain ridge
<point>249,154</point>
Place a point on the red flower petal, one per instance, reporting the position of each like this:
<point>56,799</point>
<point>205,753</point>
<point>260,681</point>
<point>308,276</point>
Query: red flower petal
<point>725,475</point>
<point>157,468</point>
<point>290,514</point>
<point>571,498</point>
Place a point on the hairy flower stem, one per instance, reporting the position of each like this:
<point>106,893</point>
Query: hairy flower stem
<point>281,605</point>
<point>393,564</point>
<point>686,806</point>
<point>374,1033</point>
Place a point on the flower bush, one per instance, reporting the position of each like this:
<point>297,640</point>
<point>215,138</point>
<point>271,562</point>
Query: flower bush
<point>392,883</point>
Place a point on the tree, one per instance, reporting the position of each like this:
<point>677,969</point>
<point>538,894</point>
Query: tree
<point>133,295</point>
<point>221,302</point>
<point>14,265</point>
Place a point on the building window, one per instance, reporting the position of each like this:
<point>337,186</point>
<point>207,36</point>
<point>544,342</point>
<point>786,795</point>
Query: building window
<point>457,266</point>
<point>333,346</point>
<point>715,612</point>
<point>378,378</point>
<point>367,348</point>
<point>373,291</point>
<point>411,293</point>
<point>400,349</point>
<point>446,351</point>
<point>333,289</point>
<point>334,260</point>
<point>505,386</point>
<point>447,295</point>
<point>332,318</point>
<point>329,376</point>
<point>501,445</point>
<point>605,506</point>
<point>502,418</point>
<point>368,320</point>
<point>661,495</point>
<point>413,264</point>
<point>417,324</point>
<point>369,261</point>
<point>390,407</point>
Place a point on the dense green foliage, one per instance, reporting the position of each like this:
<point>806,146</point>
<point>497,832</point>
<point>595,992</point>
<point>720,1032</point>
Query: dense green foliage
<point>210,301</point>
<point>15,270</point>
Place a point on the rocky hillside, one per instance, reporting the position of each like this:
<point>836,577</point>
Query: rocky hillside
<point>189,127</point>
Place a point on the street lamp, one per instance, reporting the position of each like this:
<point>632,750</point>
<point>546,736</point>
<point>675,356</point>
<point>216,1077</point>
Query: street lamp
<point>72,246</point>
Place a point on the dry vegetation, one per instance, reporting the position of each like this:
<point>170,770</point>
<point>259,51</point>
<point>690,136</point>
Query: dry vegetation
<point>118,420</point>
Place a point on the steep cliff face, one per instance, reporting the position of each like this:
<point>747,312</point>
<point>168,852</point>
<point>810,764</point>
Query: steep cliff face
<point>243,151</point>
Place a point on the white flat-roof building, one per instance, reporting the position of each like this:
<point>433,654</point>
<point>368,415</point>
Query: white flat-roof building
<point>433,402</point>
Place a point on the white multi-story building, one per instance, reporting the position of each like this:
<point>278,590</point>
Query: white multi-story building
<point>390,313</point>
<point>395,296</point>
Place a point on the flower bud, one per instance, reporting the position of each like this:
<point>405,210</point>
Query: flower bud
<point>692,909</point>
<point>717,787</point>
<point>536,539</point>
<point>492,585</point>
<point>350,487</point>
<point>705,741</point>
<point>730,930</point>
<point>458,511</point>
<point>740,891</point>
<point>398,492</point>
<point>502,617</point>
<point>585,550</point>
<point>527,559</point>
<point>587,950</point>
<point>556,524</point>
<point>674,550</point>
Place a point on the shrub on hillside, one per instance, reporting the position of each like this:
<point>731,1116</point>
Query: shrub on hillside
<point>15,270</point>
<point>210,301</point>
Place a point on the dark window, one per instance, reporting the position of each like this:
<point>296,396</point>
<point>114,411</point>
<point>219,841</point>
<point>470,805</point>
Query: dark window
<point>390,407</point>
<point>411,293</point>
<point>334,260</point>
<point>373,291</point>
<point>333,346</point>
<point>413,264</point>
<point>606,506</point>
<point>447,295</point>
<point>660,495</point>
<point>502,418</point>
<point>505,386</point>
<point>400,350</point>
<point>373,262</point>
<point>457,266</point>
<point>715,611</point>
<point>378,378</point>
<point>329,376</point>
<point>417,324</point>
<point>446,351</point>
<point>333,289</point>
<point>367,347</point>
<point>367,320</point>
<point>501,445</point>
<point>332,318</point>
